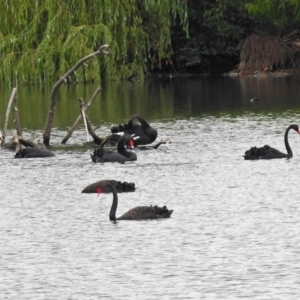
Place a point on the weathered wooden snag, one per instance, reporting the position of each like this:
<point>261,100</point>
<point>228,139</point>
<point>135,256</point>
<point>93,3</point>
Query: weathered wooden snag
<point>54,92</point>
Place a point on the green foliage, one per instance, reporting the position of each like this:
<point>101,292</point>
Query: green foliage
<point>282,13</point>
<point>40,40</point>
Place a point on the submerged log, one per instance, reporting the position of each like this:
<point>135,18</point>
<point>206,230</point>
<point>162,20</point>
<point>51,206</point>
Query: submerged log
<point>18,142</point>
<point>29,143</point>
<point>13,144</point>
<point>27,148</point>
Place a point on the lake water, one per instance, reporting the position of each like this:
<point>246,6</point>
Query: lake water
<point>234,232</point>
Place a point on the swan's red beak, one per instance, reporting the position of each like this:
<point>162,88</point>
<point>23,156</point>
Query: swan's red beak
<point>131,144</point>
<point>99,190</point>
<point>298,130</point>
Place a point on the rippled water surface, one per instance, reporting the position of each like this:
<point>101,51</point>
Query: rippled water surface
<point>234,232</point>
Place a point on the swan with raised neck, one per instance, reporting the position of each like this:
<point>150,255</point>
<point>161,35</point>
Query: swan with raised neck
<point>267,152</point>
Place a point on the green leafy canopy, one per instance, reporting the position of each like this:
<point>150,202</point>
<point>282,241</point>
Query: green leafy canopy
<point>41,39</point>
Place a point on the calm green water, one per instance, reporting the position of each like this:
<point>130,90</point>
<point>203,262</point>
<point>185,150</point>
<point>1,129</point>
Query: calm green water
<point>157,99</point>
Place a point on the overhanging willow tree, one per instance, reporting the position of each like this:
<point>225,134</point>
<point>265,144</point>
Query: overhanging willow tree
<point>282,14</point>
<point>42,39</point>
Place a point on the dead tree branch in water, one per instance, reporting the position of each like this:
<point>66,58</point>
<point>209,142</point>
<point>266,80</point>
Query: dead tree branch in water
<point>82,112</point>
<point>1,136</point>
<point>17,117</point>
<point>29,143</point>
<point>11,99</point>
<point>98,140</point>
<point>54,92</point>
<point>13,143</point>
<point>18,141</point>
<point>72,129</point>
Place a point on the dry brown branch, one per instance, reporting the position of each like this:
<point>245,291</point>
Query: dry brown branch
<point>63,79</point>
<point>72,129</point>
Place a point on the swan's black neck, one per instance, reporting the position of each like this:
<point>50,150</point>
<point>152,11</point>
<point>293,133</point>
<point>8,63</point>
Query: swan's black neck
<point>286,141</point>
<point>113,209</point>
<point>144,123</point>
<point>121,148</point>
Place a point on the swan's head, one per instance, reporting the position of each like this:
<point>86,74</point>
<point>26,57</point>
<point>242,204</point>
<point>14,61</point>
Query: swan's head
<point>104,186</point>
<point>131,144</point>
<point>129,141</point>
<point>295,127</point>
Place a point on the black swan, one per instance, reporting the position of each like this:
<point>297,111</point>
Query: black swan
<point>136,213</point>
<point>267,152</point>
<point>143,134</point>
<point>122,155</point>
<point>121,187</point>
<point>33,152</point>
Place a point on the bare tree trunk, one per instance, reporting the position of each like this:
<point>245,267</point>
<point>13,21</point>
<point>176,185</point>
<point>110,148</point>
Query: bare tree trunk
<point>48,127</point>
<point>82,112</point>
<point>11,99</point>
<point>72,129</point>
<point>1,136</point>
<point>98,140</point>
<point>17,117</point>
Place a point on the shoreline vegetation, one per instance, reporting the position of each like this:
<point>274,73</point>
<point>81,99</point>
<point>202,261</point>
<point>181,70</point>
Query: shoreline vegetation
<point>39,43</point>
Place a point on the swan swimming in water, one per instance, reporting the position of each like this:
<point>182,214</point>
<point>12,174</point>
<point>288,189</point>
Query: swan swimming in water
<point>122,155</point>
<point>33,152</point>
<point>267,152</point>
<point>136,213</point>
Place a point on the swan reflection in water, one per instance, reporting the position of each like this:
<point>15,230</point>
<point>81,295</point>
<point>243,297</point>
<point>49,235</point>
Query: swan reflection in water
<point>267,152</point>
<point>136,213</point>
